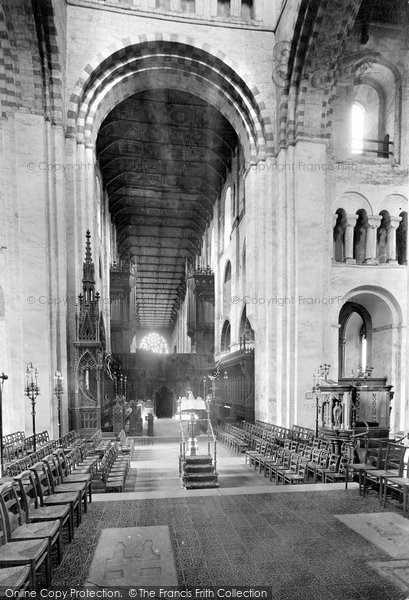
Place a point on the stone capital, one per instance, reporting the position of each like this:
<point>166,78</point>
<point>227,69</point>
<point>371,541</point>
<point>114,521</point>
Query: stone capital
<point>374,221</point>
<point>351,220</point>
<point>394,222</point>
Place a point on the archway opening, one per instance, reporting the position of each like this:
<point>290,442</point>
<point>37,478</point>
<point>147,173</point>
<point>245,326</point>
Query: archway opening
<point>164,403</point>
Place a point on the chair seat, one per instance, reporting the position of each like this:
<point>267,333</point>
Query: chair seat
<point>16,552</point>
<point>36,530</point>
<point>60,498</point>
<point>75,486</point>
<point>399,480</point>
<point>14,577</point>
<point>361,467</point>
<point>45,513</point>
<point>383,473</point>
<point>77,478</point>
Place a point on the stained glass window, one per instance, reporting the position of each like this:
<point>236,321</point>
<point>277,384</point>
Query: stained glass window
<point>154,343</point>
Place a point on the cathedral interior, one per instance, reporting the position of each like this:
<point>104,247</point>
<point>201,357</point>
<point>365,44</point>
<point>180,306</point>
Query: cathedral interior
<point>204,379</point>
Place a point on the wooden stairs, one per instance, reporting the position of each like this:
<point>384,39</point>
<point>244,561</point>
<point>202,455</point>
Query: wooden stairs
<point>198,472</point>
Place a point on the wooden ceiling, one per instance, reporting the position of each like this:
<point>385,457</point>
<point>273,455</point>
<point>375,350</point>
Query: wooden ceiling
<point>164,156</point>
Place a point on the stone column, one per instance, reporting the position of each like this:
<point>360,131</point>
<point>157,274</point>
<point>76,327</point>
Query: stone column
<point>213,9</point>
<point>334,222</point>
<point>391,241</point>
<point>349,239</point>
<point>175,5</point>
<point>235,8</point>
<point>370,249</point>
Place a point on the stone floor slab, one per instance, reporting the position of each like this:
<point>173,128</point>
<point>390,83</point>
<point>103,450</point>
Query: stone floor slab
<point>388,531</point>
<point>395,571</point>
<point>133,556</point>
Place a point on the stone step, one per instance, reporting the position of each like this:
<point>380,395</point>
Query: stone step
<point>198,460</point>
<point>198,468</point>
<point>200,485</point>
<point>199,477</point>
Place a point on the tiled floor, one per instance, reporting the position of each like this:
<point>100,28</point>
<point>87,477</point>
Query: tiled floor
<point>286,538</point>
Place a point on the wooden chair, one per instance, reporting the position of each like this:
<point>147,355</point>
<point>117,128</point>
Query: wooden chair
<point>322,463</point>
<point>35,513</point>
<point>292,468</point>
<point>255,450</point>
<point>57,487</point>
<point>395,454</point>
<point>20,530</point>
<point>254,458</point>
<point>47,498</point>
<point>66,475</point>
<point>398,485</point>
<point>331,467</point>
<point>373,459</point>
<point>300,475</point>
<point>15,579</point>
<point>340,474</point>
<point>32,553</point>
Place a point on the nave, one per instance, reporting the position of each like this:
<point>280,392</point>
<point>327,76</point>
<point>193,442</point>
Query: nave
<point>249,532</point>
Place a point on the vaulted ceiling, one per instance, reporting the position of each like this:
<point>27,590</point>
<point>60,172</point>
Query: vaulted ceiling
<point>163,155</point>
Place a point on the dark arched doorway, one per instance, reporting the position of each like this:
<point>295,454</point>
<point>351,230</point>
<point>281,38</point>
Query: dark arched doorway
<point>164,403</point>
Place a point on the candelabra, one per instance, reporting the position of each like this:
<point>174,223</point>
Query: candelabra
<point>320,373</point>
<point>32,391</point>
<point>225,380</point>
<point>204,387</point>
<point>360,375</point>
<point>58,391</point>
<point>3,378</point>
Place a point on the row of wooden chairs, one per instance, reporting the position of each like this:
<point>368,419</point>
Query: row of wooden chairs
<point>98,444</point>
<point>22,446</point>
<point>385,470</point>
<point>125,442</point>
<point>295,462</point>
<point>240,437</point>
<point>34,510</point>
<point>14,439</point>
<point>114,468</point>
<point>45,446</point>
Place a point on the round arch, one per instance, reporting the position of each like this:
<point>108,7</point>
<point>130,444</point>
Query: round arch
<point>128,67</point>
<point>351,202</point>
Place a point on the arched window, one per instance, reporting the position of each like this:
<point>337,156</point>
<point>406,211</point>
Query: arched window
<point>225,339</point>
<point>360,232</point>
<point>227,217</point>
<point>243,268</point>
<point>401,240</point>
<point>246,331</point>
<point>188,6</point>
<point>223,8</point>
<point>358,125</point>
<point>153,342</point>
<point>227,289</point>
<point>163,4</point>
<point>247,10</point>
<point>213,249</point>
<point>339,236</point>
<point>382,238</point>
<point>355,337</point>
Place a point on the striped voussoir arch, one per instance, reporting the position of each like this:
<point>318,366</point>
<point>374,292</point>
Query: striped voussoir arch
<point>169,54</point>
<point>10,92</point>
<point>306,107</point>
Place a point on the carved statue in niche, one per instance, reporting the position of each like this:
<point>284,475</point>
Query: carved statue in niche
<point>337,414</point>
